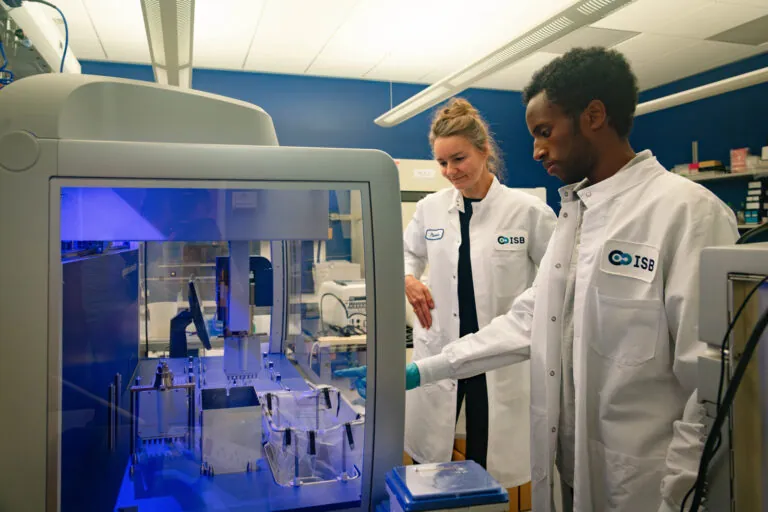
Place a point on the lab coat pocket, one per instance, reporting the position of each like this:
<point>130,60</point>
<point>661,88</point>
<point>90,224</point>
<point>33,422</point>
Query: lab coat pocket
<point>508,275</point>
<point>628,329</point>
<point>429,423</point>
<point>426,342</point>
<point>622,482</point>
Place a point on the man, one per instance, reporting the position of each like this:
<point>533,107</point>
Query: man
<point>611,320</point>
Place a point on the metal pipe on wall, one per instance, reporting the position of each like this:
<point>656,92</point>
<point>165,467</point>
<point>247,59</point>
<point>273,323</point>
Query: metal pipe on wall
<point>705,91</point>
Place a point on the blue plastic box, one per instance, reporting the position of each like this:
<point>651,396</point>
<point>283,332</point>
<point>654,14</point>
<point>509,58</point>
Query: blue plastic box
<point>455,486</point>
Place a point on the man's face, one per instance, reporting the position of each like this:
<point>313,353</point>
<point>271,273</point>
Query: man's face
<point>559,142</point>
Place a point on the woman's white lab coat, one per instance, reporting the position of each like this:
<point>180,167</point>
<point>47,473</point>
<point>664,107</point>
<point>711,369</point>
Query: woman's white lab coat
<point>638,433</point>
<point>509,231</point>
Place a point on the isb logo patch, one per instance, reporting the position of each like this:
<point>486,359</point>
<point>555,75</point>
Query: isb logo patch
<point>630,259</point>
<point>619,258</point>
<point>511,241</point>
<point>504,240</point>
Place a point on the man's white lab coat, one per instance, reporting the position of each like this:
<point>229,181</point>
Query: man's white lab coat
<point>509,232</point>
<point>638,432</point>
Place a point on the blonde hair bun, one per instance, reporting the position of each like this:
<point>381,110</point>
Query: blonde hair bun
<point>458,107</point>
<point>460,118</point>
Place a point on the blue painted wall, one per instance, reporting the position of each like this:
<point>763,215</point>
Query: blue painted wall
<point>733,120</point>
<point>313,111</point>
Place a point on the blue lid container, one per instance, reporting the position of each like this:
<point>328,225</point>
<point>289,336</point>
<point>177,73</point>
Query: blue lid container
<point>446,485</point>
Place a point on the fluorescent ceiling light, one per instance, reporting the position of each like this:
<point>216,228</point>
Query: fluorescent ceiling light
<point>579,14</point>
<point>734,83</point>
<point>169,25</point>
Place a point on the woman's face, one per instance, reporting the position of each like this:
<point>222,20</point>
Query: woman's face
<point>460,161</point>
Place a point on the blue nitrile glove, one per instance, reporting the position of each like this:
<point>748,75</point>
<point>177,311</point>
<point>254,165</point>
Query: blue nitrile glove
<point>358,374</point>
<point>412,377</point>
<point>352,373</point>
<point>361,386</point>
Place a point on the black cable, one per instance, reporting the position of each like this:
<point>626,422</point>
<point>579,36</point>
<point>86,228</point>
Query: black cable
<point>722,411</point>
<point>320,305</point>
<point>752,233</point>
<point>724,344</point>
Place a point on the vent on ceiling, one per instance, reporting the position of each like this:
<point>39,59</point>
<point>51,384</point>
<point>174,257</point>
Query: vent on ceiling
<point>592,6</point>
<point>753,33</point>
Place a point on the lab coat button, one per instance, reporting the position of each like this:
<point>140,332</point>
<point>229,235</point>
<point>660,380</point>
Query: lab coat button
<point>565,215</point>
<point>554,429</point>
<point>455,315</point>
<point>554,318</point>
<point>558,265</point>
<point>552,373</point>
<point>589,194</point>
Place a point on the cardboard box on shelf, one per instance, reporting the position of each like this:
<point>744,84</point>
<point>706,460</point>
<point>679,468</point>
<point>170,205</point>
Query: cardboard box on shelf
<point>739,159</point>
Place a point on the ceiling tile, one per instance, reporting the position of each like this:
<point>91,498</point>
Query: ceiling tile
<point>363,39</point>
<point>753,32</point>
<point>691,60</point>
<point>649,15</point>
<point>83,39</point>
<point>395,71</point>
<point>710,18</point>
<point>647,48</point>
<point>517,76</point>
<point>753,3</point>
<point>223,31</point>
<point>120,25</point>
<point>425,34</point>
<point>287,43</point>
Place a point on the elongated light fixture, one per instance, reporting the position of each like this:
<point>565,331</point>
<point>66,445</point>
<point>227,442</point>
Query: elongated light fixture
<point>577,15</point>
<point>169,25</point>
<point>734,83</point>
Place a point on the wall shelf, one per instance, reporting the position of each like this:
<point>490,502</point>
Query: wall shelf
<point>747,227</point>
<point>755,174</point>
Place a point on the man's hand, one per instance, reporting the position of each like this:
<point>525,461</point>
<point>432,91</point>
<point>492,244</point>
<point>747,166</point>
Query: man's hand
<point>412,377</point>
<point>421,300</point>
<point>358,374</point>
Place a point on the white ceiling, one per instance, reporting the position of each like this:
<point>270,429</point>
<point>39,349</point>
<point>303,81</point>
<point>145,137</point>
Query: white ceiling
<point>417,41</point>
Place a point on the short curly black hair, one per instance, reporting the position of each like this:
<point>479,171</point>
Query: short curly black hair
<point>582,75</point>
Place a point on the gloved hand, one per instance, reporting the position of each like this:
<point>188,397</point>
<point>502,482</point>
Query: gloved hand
<point>412,377</point>
<point>358,374</point>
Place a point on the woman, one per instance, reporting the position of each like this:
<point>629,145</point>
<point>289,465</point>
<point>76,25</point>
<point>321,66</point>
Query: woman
<point>482,242</point>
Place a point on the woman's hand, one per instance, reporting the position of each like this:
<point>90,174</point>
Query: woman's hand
<point>421,300</point>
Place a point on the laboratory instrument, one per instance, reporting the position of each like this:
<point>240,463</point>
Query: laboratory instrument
<point>734,302</point>
<point>147,231</point>
<point>31,41</point>
<point>342,303</point>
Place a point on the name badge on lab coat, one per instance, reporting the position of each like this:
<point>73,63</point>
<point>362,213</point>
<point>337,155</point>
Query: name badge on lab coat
<point>434,234</point>
<point>511,241</point>
<point>629,259</point>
